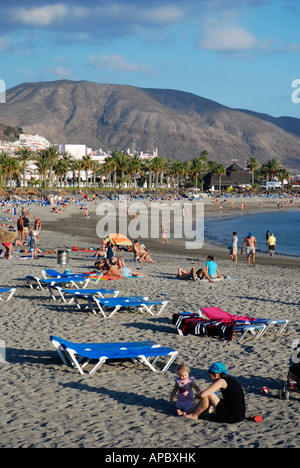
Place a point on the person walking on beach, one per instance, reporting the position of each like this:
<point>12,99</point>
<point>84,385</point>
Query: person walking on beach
<point>184,385</point>
<point>272,244</point>
<point>231,408</point>
<point>251,248</point>
<point>86,214</point>
<point>37,227</point>
<point>164,235</point>
<point>233,248</point>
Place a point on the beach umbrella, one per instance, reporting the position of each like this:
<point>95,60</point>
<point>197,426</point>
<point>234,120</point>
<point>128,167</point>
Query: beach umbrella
<point>32,192</point>
<point>119,239</point>
<point>7,236</point>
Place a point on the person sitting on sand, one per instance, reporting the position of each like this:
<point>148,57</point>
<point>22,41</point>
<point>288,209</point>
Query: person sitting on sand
<point>146,257</point>
<point>101,251</point>
<point>115,270</point>
<point>141,254</point>
<point>212,269</point>
<point>184,385</point>
<point>229,409</point>
<point>193,274</point>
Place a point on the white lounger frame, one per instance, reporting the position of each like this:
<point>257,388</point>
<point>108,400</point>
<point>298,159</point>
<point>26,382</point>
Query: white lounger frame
<point>63,294</point>
<point>96,307</point>
<point>76,360</point>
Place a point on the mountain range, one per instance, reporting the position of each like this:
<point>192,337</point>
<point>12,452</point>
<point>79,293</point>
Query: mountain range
<point>176,123</point>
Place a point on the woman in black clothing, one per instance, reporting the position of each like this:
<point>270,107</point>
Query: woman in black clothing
<point>229,409</point>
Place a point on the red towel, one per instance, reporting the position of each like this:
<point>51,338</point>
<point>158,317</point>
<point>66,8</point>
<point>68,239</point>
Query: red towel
<point>213,313</point>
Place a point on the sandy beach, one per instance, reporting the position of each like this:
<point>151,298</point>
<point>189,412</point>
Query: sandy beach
<point>46,404</point>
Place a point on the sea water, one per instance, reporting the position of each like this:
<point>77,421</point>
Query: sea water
<point>284,224</point>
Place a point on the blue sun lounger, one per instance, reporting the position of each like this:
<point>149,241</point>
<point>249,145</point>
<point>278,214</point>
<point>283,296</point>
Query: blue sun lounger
<point>81,354</point>
<point>67,295</point>
<point>50,273</point>
<point>109,306</point>
<point>74,281</point>
<point>6,293</point>
<point>282,323</point>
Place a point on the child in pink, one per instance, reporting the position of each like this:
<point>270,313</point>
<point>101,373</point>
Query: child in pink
<point>184,385</point>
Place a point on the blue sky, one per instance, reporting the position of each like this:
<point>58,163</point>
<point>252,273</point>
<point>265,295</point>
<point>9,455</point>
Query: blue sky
<point>240,53</point>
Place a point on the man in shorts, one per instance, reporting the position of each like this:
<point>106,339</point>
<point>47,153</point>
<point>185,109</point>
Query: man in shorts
<point>272,244</point>
<point>251,248</point>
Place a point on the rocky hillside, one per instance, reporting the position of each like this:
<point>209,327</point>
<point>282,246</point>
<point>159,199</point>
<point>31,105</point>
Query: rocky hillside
<point>178,124</point>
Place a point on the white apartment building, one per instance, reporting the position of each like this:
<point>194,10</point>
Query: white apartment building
<point>77,151</point>
<point>33,142</point>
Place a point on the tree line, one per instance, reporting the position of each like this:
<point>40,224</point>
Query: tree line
<point>120,168</point>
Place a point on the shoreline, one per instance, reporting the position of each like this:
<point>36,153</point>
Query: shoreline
<point>176,247</point>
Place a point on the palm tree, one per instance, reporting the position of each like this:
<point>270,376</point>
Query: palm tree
<point>60,171</point>
<point>42,162</point>
<point>204,165</point>
<point>157,167</point>
<point>108,167</point>
<point>168,167</point>
<point>273,167</point>
<point>150,167</point>
<point>87,164</point>
<point>3,159</point>
<point>123,162</point>
<point>199,166</point>
<point>187,170</point>
<point>77,166</point>
<point>284,175</point>
<point>67,158</point>
<point>24,155</point>
<point>178,170</point>
<point>96,168</point>
<point>252,165</point>
<point>113,164</point>
<point>220,170</point>
<point>51,154</point>
<point>9,167</point>
<point>135,166</point>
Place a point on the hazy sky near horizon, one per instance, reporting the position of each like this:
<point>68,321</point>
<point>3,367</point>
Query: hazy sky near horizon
<point>240,53</point>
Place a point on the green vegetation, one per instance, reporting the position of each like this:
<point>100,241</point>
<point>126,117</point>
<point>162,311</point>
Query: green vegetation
<point>54,167</point>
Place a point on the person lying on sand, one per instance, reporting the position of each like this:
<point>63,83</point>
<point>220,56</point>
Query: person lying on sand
<point>193,274</point>
<point>40,251</point>
<point>115,270</point>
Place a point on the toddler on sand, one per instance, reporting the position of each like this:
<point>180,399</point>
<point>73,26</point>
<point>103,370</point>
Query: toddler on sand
<point>184,385</point>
